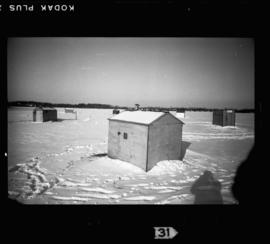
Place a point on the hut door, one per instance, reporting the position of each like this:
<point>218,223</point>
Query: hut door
<point>122,143</point>
<point>228,119</point>
<point>118,142</point>
<point>34,115</point>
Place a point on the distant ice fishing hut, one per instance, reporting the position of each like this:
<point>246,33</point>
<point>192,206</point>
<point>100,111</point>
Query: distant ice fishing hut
<point>180,112</point>
<point>71,111</point>
<point>144,138</point>
<point>116,111</point>
<point>224,117</point>
<point>41,114</point>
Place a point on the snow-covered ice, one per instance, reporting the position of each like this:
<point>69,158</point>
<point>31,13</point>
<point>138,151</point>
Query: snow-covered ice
<point>66,162</point>
<point>141,198</point>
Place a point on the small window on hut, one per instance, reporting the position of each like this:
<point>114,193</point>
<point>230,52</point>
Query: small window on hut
<point>118,133</point>
<point>125,135</point>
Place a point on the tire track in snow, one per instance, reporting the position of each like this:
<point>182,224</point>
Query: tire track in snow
<point>84,192</point>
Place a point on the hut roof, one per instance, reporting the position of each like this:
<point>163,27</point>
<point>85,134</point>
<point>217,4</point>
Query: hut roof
<point>224,110</point>
<point>42,108</point>
<point>140,117</point>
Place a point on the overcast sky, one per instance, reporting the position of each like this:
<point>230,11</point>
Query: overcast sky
<point>202,72</point>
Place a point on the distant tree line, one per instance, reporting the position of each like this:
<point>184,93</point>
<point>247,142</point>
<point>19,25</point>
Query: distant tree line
<point>108,106</point>
<point>61,105</point>
<point>195,109</point>
<point>29,104</point>
<point>247,110</point>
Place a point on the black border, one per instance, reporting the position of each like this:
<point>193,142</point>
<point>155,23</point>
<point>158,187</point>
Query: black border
<point>130,222</point>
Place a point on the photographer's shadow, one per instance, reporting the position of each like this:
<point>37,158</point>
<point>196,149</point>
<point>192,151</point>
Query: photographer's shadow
<point>206,189</point>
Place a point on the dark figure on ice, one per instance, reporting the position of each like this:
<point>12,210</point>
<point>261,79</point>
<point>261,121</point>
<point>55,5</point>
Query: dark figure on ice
<point>207,190</point>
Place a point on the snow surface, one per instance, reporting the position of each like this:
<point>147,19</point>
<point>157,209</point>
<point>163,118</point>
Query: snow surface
<point>66,162</point>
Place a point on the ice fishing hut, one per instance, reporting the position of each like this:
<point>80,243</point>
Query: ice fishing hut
<point>41,114</point>
<point>144,138</point>
<point>181,112</point>
<point>116,111</point>
<point>224,117</point>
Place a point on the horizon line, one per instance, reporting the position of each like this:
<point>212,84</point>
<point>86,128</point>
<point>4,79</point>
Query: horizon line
<point>155,106</point>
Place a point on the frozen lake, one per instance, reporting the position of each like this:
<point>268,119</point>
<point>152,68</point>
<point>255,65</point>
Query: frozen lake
<point>65,162</point>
